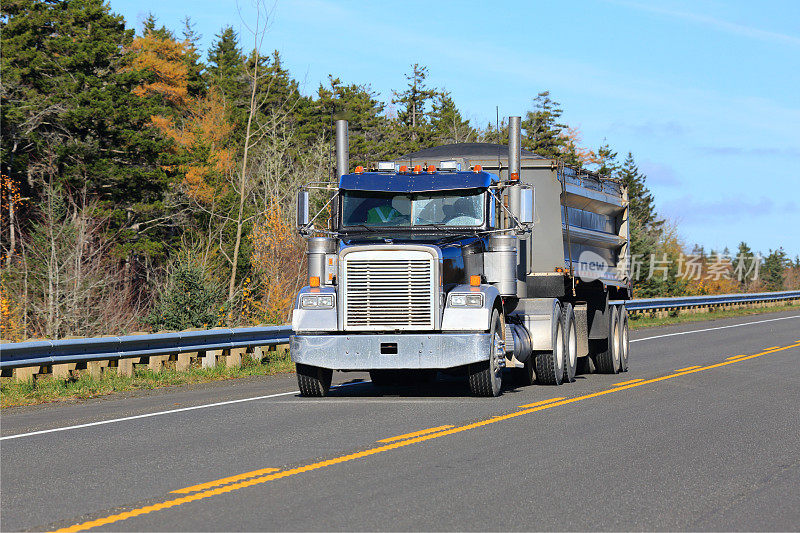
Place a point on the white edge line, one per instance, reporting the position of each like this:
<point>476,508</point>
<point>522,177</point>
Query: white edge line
<point>712,329</point>
<point>159,413</point>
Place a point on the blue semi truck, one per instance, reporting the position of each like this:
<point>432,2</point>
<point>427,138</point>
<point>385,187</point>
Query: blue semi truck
<point>476,259</point>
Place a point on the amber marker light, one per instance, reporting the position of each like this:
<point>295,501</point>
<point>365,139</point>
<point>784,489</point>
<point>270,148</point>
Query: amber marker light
<point>417,169</point>
<point>403,169</point>
<point>431,169</point>
<point>475,281</point>
<point>359,169</point>
<point>313,281</point>
<point>477,168</point>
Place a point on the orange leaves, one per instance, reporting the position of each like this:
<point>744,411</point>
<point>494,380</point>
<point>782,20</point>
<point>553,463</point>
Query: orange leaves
<point>9,193</point>
<point>223,161</point>
<point>195,184</point>
<point>163,58</point>
<point>572,140</point>
<point>200,143</point>
<point>10,323</point>
<point>276,249</point>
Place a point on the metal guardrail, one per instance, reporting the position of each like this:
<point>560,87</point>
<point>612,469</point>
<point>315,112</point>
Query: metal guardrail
<point>30,353</point>
<point>647,304</point>
<point>19,354</point>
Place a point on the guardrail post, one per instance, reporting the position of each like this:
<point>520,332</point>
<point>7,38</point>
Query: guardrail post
<point>156,362</point>
<point>95,368</point>
<point>63,370</point>
<point>210,358</point>
<point>234,357</point>
<point>184,361</point>
<point>125,366</point>
<point>256,352</point>
<point>26,373</point>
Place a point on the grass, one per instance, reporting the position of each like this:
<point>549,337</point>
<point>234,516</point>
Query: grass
<point>643,321</point>
<point>45,388</point>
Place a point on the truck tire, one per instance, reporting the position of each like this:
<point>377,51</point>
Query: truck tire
<point>313,380</point>
<point>624,341</point>
<point>486,377</point>
<point>549,365</point>
<point>570,344</point>
<point>607,360</point>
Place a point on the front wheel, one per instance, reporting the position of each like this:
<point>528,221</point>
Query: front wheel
<point>486,377</point>
<point>313,380</point>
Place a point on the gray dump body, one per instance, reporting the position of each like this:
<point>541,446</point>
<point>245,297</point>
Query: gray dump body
<point>581,220</point>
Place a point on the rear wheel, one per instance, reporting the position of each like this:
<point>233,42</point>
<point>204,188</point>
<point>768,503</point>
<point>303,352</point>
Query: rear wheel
<point>550,365</point>
<point>486,377</point>
<point>313,380</point>
<point>570,344</point>
<point>607,361</point>
<point>624,341</point>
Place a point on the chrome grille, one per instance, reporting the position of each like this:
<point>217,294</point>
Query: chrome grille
<point>389,293</point>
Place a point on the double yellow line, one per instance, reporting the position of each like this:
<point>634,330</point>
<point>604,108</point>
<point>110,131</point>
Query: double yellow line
<point>233,483</point>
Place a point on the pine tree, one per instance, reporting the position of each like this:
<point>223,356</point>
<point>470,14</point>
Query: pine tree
<point>607,161</point>
<point>642,205</point>
<point>226,65</point>
<point>150,26</point>
<point>774,269</point>
<point>195,83</point>
<point>543,131</point>
<point>359,105</point>
<point>414,102</point>
<point>447,123</point>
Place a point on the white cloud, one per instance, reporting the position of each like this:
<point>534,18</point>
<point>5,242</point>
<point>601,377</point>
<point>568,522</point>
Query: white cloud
<point>722,25</point>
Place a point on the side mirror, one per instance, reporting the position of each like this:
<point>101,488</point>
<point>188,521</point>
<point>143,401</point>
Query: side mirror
<point>526,206</point>
<point>302,209</point>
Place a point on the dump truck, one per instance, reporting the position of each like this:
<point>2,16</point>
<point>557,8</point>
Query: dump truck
<point>475,259</point>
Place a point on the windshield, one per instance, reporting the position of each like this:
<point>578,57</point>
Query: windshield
<point>448,208</point>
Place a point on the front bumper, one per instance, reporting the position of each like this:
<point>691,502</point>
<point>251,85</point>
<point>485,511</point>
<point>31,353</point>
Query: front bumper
<point>363,351</point>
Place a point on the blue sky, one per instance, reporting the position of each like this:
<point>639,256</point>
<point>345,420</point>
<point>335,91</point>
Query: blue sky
<point>706,94</point>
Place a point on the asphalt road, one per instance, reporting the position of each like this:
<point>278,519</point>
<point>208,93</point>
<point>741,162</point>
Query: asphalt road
<point>715,446</point>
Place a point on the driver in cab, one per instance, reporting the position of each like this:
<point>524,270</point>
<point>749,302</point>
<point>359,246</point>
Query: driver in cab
<point>399,209</point>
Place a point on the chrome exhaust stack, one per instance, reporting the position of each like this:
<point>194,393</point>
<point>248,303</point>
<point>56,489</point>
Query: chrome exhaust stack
<point>514,154</point>
<point>342,149</point>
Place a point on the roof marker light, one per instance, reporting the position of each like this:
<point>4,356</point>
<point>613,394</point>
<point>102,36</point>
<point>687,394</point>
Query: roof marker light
<point>477,168</point>
<point>359,169</point>
<point>417,169</point>
<point>403,169</point>
<point>431,169</point>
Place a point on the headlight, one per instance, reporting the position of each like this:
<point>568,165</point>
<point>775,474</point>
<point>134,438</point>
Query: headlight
<point>316,301</point>
<point>466,300</point>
